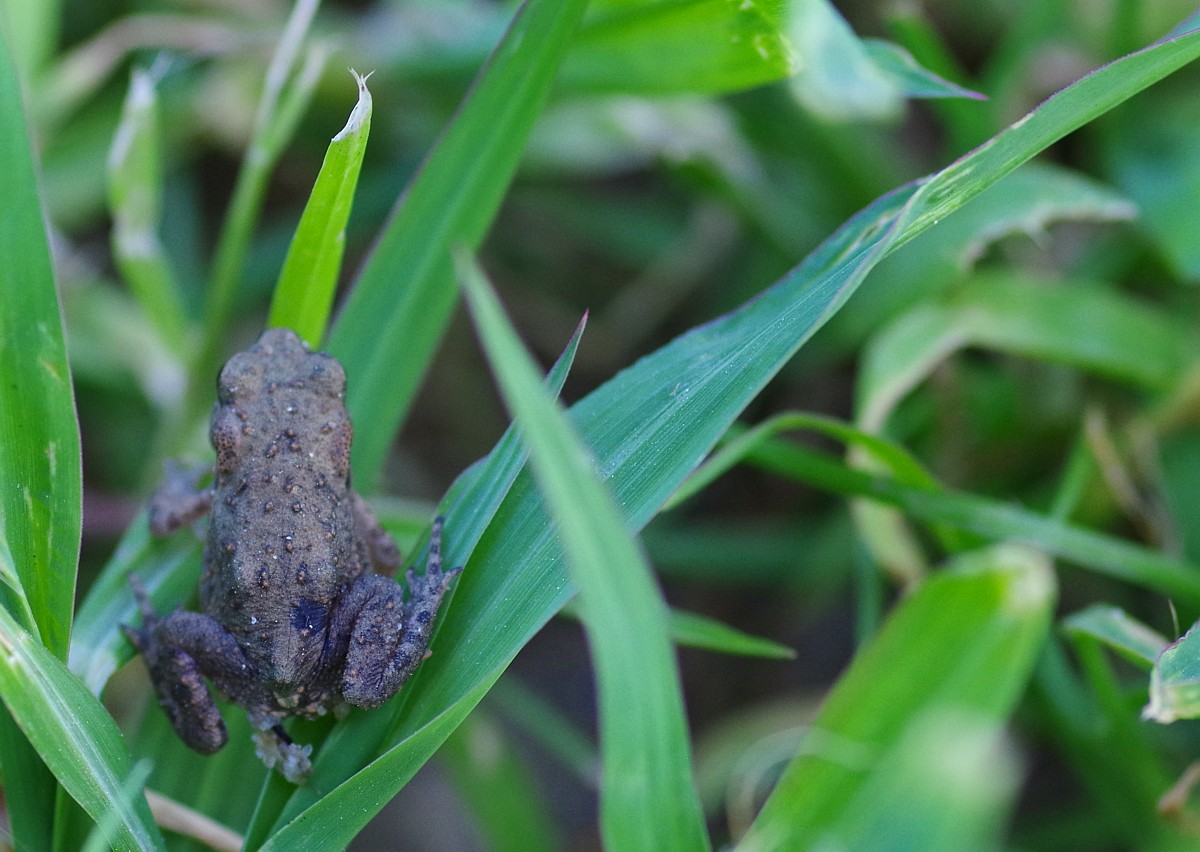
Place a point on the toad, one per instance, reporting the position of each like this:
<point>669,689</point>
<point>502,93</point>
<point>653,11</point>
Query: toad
<point>295,620</point>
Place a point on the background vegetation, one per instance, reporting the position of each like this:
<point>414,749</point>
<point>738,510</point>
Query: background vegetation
<point>920,543</point>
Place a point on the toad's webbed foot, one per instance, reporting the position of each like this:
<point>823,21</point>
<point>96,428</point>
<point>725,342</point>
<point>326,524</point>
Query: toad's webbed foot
<point>390,636</point>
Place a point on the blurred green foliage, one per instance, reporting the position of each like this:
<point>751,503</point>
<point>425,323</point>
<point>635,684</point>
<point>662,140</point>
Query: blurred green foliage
<point>1025,371</point>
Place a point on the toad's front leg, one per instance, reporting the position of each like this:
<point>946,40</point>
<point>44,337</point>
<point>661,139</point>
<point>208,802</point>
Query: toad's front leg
<point>180,650</point>
<point>390,637</point>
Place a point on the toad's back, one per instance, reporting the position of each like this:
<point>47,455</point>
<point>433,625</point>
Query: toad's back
<point>283,543</point>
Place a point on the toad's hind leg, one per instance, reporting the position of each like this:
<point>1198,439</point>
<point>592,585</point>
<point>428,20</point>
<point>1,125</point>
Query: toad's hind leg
<point>179,651</point>
<point>390,637</point>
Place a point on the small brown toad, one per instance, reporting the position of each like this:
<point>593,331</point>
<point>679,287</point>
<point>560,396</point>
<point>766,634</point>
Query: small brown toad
<point>294,621</point>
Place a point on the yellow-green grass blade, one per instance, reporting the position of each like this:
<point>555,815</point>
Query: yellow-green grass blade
<point>304,295</point>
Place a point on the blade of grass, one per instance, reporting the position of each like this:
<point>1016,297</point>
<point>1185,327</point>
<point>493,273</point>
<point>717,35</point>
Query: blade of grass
<point>74,735</point>
<point>992,519</point>
<point>1125,340</point>
<point>647,795</point>
<point>40,465</point>
<point>135,186</point>
<point>692,630</point>
<point>1120,631</point>
<point>387,331</point>
<point>304,295</point>
<point>653,423</point>
<point>964,643</point>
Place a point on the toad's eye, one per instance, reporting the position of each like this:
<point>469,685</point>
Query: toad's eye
<point>309,616</point>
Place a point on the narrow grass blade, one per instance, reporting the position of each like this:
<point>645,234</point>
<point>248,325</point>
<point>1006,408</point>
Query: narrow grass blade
<point>1120,631</point>
<point>135,187</point>
<point>689,47</point>
<point>692,630</point>
<point>698,631</point>
<point>386,333</point>
<point>74,735</point>
<point>647,796</point>
<point>909,76</point>
<point>964,643</point>
<point>304,295</point>
<point>992,519</point>
<point>40,465</point>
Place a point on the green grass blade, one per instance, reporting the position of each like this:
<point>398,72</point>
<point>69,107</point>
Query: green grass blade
<point>992,519</point>
<point>74,735</point>
<point>964,643</point>
<point>304,295</point>
<point>1120,631</point>
<point>386,333</point>
<point>135,187</point>
<point>40,467</point>
<point>698,631</point>
<point>690,47</point>
<point>647,796</point>
<point>1175,681</point>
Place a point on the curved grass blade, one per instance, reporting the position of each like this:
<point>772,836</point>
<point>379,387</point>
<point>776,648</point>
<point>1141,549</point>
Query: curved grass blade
<point>1118,630</point>
<point>401,301</point>
<point>647,796</point>
<point>964,643</point>
<point>74,735</point>
<point>653,423</point>
<point>992,519</point>
<point>304,295</point>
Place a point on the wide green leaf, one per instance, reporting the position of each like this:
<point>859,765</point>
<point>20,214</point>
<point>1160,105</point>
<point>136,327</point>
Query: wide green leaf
<point>1020,315</point>
<point>647,798</point>
<point>387,331</point>
<point>965,644</point>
